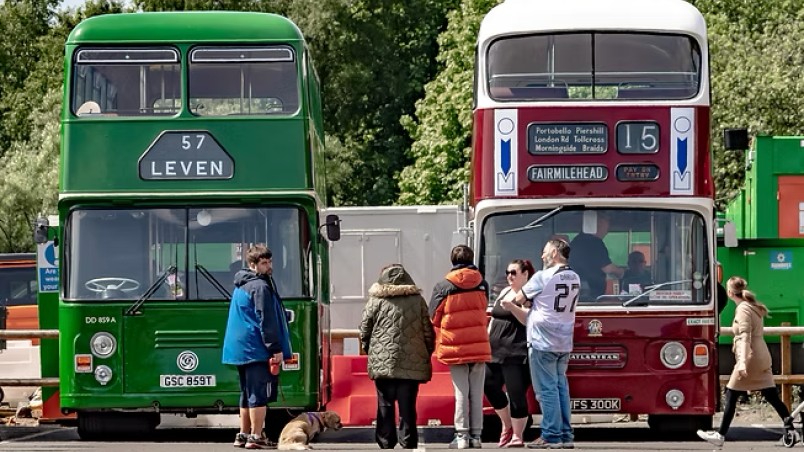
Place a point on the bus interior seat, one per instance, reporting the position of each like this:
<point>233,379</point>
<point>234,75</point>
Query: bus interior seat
<point>655,93</point>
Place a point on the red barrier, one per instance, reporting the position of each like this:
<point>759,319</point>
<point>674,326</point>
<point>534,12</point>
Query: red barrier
<point>354,396</point>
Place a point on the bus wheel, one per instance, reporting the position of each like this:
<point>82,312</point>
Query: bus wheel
<point>2,395</point>
<point>111,425</point>
<point>679,424</point>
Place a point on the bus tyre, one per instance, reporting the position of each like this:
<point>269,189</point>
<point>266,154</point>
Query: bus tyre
<point>2,395</point>
<point>675,424</point>
<point>93,426</point>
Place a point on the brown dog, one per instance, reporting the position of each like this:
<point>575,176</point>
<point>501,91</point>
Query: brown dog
<point>298,433</point>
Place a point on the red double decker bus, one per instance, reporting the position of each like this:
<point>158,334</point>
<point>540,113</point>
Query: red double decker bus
<point>591,123</point>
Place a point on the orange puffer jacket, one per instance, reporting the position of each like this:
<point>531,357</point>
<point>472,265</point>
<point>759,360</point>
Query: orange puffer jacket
<point>458,310</point>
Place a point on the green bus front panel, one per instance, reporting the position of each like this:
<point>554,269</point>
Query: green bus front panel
<point>169,355</point>
<point>265,155</point>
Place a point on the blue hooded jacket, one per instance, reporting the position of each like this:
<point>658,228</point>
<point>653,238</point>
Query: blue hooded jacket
<point>257,327</point>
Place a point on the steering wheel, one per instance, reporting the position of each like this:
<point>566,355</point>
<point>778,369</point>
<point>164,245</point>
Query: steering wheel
<point>99,285</point>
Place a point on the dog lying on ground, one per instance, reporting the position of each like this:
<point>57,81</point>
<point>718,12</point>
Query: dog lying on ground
<point>298,433</point>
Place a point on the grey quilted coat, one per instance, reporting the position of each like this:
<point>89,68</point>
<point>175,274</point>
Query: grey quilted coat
<point>396,331</point>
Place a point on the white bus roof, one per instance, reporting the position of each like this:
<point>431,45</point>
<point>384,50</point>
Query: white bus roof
<point>544,16</point>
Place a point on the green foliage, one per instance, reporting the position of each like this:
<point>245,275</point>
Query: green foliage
<point>22,24</point>
<point>374,57</point>
<point>275,6</point>
<point>756,76</point>
<point>443,125</point>
<point>29,176</point>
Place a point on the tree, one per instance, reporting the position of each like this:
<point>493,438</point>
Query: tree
<point>756,76</point>
<point>22,23</point>
<point>374,57</point>
<point>29,176</point>
<point>443,125</point>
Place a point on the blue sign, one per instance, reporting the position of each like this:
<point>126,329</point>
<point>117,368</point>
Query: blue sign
<point>47,262</point>
<point>48,279</point>
<point>781,260</point>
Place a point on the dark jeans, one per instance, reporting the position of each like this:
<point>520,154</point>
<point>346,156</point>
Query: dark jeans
<point>391,391</point>
<point>515,376</point>
<point>770,394</point>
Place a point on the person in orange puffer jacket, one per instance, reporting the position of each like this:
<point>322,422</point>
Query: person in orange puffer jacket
<point>458,310</point>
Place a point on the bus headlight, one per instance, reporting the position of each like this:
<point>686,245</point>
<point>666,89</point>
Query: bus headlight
<point>103,374</point>
<point>673,355</point>
<point>102,345</point>
<point>674,398</point>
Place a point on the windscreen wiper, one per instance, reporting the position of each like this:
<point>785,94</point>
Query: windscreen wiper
<point>654,288</point>
<point>135,308</point>
<point>537,222</point>
<point>215,283</point>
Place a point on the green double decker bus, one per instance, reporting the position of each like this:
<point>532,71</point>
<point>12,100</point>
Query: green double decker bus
<point>186,138</point>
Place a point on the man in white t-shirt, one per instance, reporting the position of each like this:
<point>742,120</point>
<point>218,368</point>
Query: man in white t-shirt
<point>550,322</point>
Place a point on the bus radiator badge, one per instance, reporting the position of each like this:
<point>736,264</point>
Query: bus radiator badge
<point>595,328</point>
<point>187,361</point>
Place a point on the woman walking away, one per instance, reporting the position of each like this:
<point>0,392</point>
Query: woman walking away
<point>752,367</point>
<point>398,337</point>
<point>509,360</point>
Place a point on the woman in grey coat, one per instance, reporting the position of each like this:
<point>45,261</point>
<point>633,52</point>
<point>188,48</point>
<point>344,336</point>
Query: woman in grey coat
<point>398,337</point>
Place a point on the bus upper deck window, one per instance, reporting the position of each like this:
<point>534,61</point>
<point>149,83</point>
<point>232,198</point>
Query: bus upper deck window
<point>243,81</point>
<point>126,82</point>
<point>593,66</point>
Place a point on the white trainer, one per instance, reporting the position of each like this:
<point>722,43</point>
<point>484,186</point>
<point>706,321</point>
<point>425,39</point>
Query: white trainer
<point>712,437</point>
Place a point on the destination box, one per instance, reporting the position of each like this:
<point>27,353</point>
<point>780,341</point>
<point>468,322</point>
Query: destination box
<point>568,138</point>
<point>567,173</point>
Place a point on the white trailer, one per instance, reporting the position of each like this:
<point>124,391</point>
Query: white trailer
<point>418,237</point>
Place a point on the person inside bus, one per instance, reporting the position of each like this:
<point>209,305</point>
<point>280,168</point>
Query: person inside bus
<point>590,258</point>
<point>636,276</point>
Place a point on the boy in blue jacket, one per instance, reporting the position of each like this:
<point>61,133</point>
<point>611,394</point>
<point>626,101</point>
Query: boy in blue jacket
<point>256,331</point>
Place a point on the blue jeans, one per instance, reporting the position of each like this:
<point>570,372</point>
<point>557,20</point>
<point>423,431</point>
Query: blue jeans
<point>548,371</point>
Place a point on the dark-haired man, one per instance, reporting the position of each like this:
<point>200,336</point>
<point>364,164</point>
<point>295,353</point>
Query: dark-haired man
<point>256,332</point>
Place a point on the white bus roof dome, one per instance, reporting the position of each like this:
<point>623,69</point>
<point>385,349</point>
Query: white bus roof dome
<point>532,16</point>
